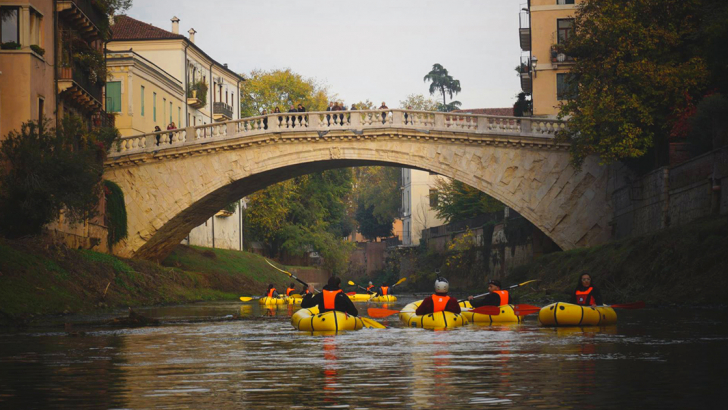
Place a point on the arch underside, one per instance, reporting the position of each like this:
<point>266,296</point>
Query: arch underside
<point>168,198</point>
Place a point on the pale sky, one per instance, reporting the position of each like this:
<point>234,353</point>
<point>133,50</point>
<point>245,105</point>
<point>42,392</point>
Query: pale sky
<point>370,49</point>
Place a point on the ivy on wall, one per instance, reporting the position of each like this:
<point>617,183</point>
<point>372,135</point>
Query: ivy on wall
<point>115,212</point>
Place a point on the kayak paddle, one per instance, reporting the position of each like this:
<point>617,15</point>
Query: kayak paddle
<point>351,283</point>
<point>508,288</point>
<point>292,276</point>
<point>633,305</point>
<point>483,310</point>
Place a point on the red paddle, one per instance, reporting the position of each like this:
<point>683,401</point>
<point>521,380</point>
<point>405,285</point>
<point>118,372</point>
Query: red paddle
<point>483,310</point>
<point>633,305</point>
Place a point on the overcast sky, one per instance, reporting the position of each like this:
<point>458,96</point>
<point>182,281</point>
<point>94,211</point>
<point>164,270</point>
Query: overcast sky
<point>370,49</point>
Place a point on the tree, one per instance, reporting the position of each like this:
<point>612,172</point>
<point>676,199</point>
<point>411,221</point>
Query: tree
<point>378,188</point>
<point>442,82</point>
<point>636,64</point>
<point>522,106</point>
<point>419,102</point>
<point>48,171</point>
<point>369,226</point>
<point>457,201</point>
<point>266,90</point>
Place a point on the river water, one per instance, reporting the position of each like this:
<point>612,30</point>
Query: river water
<point>654,358</point>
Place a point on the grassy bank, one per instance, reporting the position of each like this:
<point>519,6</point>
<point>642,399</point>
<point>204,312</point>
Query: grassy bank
<point>686,265</point>
<point>37,279</point>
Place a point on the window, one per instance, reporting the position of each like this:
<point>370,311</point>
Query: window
<point>36,21</point>
<point>154,107</point>
<point>41,109</point>
<point>565,88</point>
<point>164,108</point>
<point>179,116</point>
<point>113,96</point>
<point>9,27</point>
<point>433,198</point>
<point>563,2</point>
<point>142,97</point>
<point>565,29</point>
<point>170,112</point>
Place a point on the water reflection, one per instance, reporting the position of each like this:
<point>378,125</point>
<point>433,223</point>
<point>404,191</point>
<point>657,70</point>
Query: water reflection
<point>262,362</point>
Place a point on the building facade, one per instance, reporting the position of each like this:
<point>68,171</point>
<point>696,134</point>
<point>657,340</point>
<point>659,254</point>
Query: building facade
<point>51,62</point>
<point>419,196</point>
<point>544,71</point>
<point>161,77</point>
<point>224,230</point>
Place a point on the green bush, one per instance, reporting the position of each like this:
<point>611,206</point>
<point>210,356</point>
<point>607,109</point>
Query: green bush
<point>37,49</point>
<point>115,212</point>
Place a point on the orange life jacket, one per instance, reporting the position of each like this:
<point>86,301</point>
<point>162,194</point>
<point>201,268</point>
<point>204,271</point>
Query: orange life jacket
<point>503,296</point>
<point>289,291</point>
<point>370,287</point>
<point>385,290</point>
<point>329,298</point>
<point>584,297</point>
<point>439,302</point>
<point>305,292</point>
<point>270,292</point>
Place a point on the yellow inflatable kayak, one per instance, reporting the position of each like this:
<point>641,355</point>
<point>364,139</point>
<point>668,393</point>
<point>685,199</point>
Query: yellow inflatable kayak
<point>294,301</point>
<point>507,315</point>
<point>387,298</point>
<point>359,297</point>
<point>272,301</point>
<point>311,320</point>
<point>567,314</point>
<point>437,320</point>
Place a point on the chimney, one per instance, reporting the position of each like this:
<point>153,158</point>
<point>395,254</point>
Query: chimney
<point>175,25</point>
<point>225,65</point>
<point>192,35</point>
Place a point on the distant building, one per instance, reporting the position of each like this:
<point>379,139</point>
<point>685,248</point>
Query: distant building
<point>544,71</point>
<point>419,196</point>
<point>224,230</point>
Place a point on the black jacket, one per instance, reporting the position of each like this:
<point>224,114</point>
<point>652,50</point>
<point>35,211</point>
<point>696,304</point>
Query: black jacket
<point>492,299</point>
<point>342,303</point>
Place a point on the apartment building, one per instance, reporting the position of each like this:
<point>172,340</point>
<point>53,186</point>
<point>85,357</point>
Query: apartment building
<point>51,62</point>
<point>162,77</point>
<point>543,70</point>
<point>419,197</point>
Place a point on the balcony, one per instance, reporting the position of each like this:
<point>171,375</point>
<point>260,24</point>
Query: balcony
<point>557,57</point>
<point>524,30</point>
<point>74,83</point>
<point>524,70</point>
<point>86,18</point>
<point>222,111</point>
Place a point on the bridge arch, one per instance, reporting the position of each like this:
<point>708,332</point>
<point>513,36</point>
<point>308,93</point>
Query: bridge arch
<point>170,191</point>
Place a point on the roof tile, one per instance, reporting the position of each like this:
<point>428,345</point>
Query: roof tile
<point>127,28</point>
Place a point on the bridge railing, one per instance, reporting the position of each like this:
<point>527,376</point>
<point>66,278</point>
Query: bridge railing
<point>359,120</point>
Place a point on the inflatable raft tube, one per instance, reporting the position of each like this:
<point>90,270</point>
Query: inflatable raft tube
<point>567,314</point>
<point>294,301</point>
<point>437,320</point>
<point>359,297</point>
<point>272,301</point>
<point>311,320</point>
<point>507,315</point>
<point>387,298</point>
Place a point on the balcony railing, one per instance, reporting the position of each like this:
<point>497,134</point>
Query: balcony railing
<point>524,30</point>
<point>222,111</point>
<point>83,13</point>
<point>526,77</point>
<point>81,79</point>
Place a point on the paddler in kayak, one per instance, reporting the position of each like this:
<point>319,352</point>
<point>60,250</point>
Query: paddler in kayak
<point>383,290</point>
<point>585,293</point>
<point>290,289</point>
<point>330,298</point>
<point>370,287</point>
<point>305,291</point>
<point>497,297</point>
<point>271,292</point>
<point>439,301</point>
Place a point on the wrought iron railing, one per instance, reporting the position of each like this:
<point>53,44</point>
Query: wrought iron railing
<point>223,109</point>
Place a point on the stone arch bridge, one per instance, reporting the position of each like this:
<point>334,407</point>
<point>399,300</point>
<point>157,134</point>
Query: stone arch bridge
<point>176,185</point>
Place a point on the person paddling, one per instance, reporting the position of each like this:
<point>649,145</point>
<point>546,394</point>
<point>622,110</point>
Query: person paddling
<point>271,292</point>
<point>585,293</point>
<point>496,297</point>
<point>290,289</point>
<point>370,287</point>
<point>305,291</point>
<point>330,298</point>
<point>439,301</point>
<point>383,290</point>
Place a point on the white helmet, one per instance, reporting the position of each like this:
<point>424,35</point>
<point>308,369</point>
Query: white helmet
<point>370,283</point>
<point>441,285</point>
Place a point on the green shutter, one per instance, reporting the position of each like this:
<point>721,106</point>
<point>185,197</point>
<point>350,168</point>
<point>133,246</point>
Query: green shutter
<point>113,96</point>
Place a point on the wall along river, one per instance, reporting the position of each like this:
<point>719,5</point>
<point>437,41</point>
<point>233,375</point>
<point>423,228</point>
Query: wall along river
<point>653,358</point>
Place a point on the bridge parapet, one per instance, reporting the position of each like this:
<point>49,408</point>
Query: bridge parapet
<point>323,122</point>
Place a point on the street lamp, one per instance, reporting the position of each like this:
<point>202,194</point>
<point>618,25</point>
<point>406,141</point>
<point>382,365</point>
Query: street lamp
<point>534,61</point>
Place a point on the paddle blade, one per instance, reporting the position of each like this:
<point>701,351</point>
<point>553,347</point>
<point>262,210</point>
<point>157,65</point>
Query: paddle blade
<point>634,305</point>
<point>351,283</point>
<point>351,293</point>
<point>377,312</point>
<point>524,310</point>
<point>487,310</point>
<point>372,323</point>
<point>399,281</point>
<point>246,298</point>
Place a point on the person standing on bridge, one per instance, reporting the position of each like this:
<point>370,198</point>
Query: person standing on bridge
<point>384,114</point>
<point>265,119</point>
<point>439,301</point>
<point>292,117</point>
<point>329,108</point>
<point>330,298</point>
<point>280,119</point>
<point>300,109</point>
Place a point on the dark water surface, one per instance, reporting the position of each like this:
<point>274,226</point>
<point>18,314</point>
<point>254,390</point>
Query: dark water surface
<point>654,358</point>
